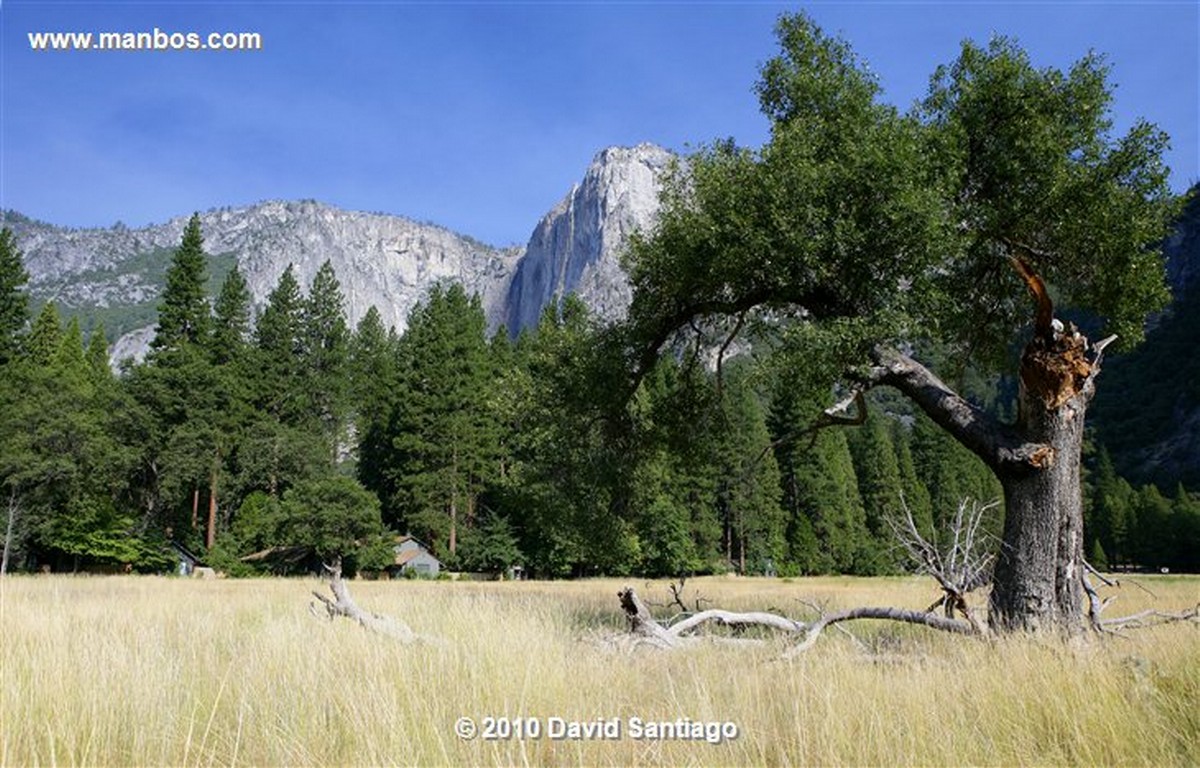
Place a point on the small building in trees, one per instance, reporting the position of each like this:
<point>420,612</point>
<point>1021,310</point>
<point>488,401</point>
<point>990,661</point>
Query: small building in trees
<point>413,557</point>
<point>186,561</point>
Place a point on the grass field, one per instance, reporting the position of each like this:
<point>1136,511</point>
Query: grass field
<point>162,671</point>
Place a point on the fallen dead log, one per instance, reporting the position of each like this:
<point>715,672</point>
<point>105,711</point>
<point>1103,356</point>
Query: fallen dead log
<point>343,605</point>
<point>643,624</point>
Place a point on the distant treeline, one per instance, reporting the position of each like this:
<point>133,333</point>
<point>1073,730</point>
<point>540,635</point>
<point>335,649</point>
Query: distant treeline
<point>293,433</point>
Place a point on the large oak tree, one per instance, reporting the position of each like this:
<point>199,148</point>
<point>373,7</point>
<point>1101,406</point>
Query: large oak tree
<point>857,228</point>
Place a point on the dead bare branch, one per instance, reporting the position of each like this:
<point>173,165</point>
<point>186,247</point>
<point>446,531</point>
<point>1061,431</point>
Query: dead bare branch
<point>959,568</point>
<point>930,620</point>
<point>344,605</point>
<point>643,624</point>
<point>1152,618</point>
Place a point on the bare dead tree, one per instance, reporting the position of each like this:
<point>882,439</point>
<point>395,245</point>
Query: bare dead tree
<point>961,566</point>
<point>343,605</point>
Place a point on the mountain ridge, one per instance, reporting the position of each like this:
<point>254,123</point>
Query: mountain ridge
<point>115,274</point>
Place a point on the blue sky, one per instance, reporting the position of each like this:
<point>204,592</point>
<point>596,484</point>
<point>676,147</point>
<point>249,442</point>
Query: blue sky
<point>477,116</point>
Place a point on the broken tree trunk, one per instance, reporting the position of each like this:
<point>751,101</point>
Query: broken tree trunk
<point>344,605</point>
<point>1038,577</point>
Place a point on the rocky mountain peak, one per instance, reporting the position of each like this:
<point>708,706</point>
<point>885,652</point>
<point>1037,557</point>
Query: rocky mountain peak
<point>575,248</point>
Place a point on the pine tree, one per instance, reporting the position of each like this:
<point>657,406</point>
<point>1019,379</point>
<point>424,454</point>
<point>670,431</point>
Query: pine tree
<point>45,336</point>
<point>280,345</point>
<point>372,367</point>
<point>97,358</point>
<point>916,495</point>
<point>952,474</point>
<point>183,313</point>
<point>879,485</point>
<point>326,354</point>
<point>70,358</point>
<point>372,388</point>
<point>440,428</point>
<point>826,521</point>
<point>749,490</point>
<point>231,319</point>
<point>1112,510</point>
<point>14,302</point>
<point>1185,531</point>
<point>674,481</point>
<point>566,489</point>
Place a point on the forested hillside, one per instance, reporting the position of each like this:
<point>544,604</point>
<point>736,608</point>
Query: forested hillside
<point>1148,411</point>
<point>294,433</point>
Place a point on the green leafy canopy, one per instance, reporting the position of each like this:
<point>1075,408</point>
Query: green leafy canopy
<point>856,214</point>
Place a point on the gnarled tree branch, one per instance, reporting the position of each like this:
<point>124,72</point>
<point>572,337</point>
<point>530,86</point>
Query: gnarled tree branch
<point>998,445</point>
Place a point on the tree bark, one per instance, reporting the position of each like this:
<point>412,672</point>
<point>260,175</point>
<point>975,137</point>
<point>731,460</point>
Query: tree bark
<point>8,531</point>
<point>1038,582</point>
<point>211,531</point>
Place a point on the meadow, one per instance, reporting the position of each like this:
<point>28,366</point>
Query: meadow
<point>128,670</point>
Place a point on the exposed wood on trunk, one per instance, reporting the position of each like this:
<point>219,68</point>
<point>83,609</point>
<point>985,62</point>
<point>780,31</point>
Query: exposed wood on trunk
<point>344,605</point>
<point>1043,316</point>
<point>1039,574</point>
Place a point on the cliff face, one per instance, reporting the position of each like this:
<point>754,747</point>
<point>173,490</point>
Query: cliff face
<point>117,274</point>
<point>576,246</point>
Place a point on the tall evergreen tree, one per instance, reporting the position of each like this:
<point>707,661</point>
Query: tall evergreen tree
<point>879,485</point>
<point>749,490</point>
<point>280,343</point>
<point>916,495</point>
<point>441,426</point>
<point>231,318</point>
<point>45,336</point>
<point>326,354</point>
<point>183,312</point>
<point>373,385</point>
<point>1111,512</point>
<point>14,302</point>
<point>97,357</point>
<point>826,527</point>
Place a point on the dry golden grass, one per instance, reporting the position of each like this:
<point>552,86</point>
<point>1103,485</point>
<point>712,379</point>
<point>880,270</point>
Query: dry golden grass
<point>160,671</point>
